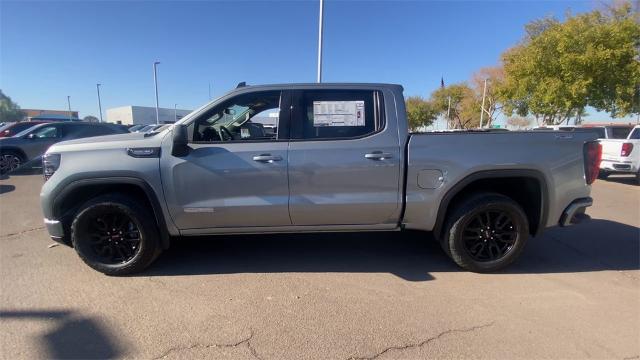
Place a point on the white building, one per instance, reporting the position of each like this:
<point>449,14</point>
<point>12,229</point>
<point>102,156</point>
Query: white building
<point>134,115</point>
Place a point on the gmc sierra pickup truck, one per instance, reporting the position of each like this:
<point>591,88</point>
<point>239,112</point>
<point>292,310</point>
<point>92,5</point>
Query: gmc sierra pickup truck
<point>313,158</point>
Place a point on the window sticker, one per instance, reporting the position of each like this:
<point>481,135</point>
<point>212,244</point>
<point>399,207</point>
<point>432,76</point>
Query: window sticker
<point>244,133</point>
<point>338,113</point>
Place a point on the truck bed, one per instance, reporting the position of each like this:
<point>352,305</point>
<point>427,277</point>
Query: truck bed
<point>436,162</point>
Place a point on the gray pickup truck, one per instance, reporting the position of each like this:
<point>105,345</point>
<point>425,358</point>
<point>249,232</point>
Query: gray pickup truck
<point>313,158</point>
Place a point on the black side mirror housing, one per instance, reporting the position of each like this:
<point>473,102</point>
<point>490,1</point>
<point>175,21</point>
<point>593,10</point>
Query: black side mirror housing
<point>180,140</point>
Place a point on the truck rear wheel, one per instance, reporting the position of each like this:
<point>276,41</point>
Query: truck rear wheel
<point>115,235</point>
<point>486,232</point>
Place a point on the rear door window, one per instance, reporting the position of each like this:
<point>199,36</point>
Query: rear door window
<point>336,114</point>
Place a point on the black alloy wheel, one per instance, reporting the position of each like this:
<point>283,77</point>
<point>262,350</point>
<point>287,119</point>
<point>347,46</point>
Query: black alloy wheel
<point>485,232</point>
<point>489,235</point>
<point>116,234</point>
<point>114,237</point>
<point>9,162</point>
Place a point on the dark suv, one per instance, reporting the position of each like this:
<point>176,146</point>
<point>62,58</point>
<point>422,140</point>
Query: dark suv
<point>31,143</point>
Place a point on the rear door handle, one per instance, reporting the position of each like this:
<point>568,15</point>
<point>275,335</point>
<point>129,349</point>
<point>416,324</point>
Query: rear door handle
<point>267,158</point>
<point>378,155</point>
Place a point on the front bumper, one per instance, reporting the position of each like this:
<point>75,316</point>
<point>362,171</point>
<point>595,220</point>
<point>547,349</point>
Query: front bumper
<point>575,212</point>
<point>56,230</point>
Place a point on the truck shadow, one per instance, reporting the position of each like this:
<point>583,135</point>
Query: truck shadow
<point>598,245</point>
<point>621,179</point>
<point>72,336</point>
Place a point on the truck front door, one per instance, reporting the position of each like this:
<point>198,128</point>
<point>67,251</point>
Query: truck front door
<point>235,174</point>
<point>344,159</point>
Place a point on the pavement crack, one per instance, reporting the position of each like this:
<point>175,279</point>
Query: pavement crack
<point>22,232</point>
<point>244,341</point>
<point>421,343</point>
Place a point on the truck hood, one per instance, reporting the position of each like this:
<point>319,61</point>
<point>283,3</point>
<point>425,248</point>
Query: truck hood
<point>109,142</point>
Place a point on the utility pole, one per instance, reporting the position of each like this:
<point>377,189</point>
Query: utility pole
<point>69,105</point>
<point>99,102</point>
<point>448,112</point>
<point>320,42</point>
<point>155,81</point>
<point>209,90</point>
<point>484,94</point>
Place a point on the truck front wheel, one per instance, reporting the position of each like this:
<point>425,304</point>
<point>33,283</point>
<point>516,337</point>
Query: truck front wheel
<point>485,232</point>
<point>115,235</point>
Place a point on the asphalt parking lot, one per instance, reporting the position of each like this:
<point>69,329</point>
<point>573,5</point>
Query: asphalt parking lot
<point>575,293</point>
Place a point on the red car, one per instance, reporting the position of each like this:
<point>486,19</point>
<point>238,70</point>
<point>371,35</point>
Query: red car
<point>14,128</point>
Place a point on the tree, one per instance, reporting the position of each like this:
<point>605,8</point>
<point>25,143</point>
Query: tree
<point>420,112</point>
<point>519,122</point>
<point>90,118</point>
<point>559,69</point>
<point>9,111</point>
<point>464,112</point>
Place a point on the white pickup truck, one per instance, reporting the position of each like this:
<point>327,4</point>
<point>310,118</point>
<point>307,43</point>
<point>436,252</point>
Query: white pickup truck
<point>621,156</point>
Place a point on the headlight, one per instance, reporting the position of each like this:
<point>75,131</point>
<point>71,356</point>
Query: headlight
<point>50,163</point>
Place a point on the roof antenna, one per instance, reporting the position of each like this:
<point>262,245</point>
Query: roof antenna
<point>241,84</point>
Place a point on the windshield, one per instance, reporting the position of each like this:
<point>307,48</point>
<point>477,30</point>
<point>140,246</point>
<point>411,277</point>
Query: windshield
<point>28,130</point>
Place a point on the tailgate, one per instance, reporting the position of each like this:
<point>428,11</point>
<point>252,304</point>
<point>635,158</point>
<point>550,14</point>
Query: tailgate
<point>611,148</point>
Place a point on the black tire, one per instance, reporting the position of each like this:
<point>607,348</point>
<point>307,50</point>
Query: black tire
<point>501,237</point>
<point>603,175</point>
<point>638,178</point>
<point>10,160</point>
<point>133,245</point>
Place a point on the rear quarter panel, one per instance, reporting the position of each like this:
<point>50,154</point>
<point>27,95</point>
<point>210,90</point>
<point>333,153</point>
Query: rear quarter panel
<point>557,157</point>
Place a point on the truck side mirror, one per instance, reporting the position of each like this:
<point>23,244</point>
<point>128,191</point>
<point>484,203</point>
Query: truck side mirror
<point>180,140</point>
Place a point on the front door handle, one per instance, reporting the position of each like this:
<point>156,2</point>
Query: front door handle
<point>267,158</point>
<point>378,155</point>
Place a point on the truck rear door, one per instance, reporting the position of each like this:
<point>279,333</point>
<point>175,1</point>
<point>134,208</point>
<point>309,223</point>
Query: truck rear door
<point>344,159</point>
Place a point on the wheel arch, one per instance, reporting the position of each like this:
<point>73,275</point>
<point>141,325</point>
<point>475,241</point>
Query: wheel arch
<point>16,150</point>
<point>527,187</point>
<point>66,203</point>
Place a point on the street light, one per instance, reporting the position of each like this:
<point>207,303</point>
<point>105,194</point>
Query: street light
<point>320,42</point>
<point>69,105</point>
<point>99,102</point>
<point>155,81</point>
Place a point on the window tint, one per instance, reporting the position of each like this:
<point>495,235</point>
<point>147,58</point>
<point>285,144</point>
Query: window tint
<point>618,132</point>
<point>20,126</point>
<point>600,132</point>
<point>46,132</point>
<point>82,131</point>
<point>330,114</point>
<point>253,116</point>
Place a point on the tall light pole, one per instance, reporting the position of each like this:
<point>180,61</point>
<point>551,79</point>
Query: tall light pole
<point>99,102</point>
<point>448,112</point>
<point>155,81</point>
<point>209,90</point>
<point>320,42</point>
<point>175,112</point>
<point>69,105</point>
<point>484,94</point>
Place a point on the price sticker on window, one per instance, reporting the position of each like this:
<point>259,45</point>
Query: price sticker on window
<point>338,113</point>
